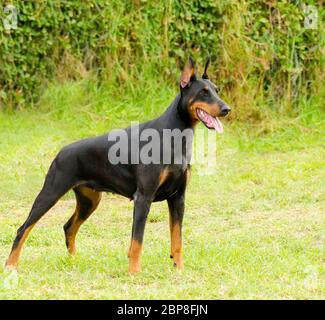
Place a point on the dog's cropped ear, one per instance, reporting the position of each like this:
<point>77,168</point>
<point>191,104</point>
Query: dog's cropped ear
<point>205,73</point>
<point>188,73</point>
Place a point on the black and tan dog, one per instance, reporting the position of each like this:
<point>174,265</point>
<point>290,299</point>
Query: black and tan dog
<point>84,167</point>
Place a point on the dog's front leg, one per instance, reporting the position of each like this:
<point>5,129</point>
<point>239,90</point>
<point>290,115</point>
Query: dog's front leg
<point>140,213</point>
<point>176,213</point>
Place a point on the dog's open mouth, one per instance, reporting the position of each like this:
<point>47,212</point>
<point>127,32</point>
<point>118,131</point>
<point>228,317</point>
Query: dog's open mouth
<point>209,121</point>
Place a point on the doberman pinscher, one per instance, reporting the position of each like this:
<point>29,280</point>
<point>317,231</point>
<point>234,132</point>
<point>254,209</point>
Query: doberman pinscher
<point>84,167</point>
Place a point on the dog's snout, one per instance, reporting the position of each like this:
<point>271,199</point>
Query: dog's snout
<point>224,110</point>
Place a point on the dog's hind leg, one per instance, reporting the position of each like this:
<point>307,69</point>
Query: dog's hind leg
<point>87,202</point>
<point>56,184</point>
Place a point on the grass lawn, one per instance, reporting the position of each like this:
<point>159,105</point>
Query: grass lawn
<point>255,229</point>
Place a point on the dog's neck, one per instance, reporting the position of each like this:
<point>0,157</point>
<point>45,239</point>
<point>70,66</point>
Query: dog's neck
<point>178,115</point>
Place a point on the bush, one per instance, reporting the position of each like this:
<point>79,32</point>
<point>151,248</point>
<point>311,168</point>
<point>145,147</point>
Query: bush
<point>263,54</point>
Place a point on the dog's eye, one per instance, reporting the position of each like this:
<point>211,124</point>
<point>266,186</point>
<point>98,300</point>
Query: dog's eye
<point>204,92</point>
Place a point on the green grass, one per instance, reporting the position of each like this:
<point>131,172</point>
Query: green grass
<point>255,229</point>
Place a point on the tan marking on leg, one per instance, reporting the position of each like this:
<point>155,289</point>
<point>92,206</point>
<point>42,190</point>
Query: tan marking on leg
<point>176,244</point>
<point>13,258</point>
<point>134,256</point>
<point>89,193</point>
<point>71,236</point>
<point>95,197</point>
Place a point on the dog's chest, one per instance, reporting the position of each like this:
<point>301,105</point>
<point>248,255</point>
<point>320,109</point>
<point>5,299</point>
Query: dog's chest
<point>171,180</point>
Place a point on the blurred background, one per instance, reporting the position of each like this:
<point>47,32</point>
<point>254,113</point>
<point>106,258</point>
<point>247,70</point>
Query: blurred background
<point>267,56</point>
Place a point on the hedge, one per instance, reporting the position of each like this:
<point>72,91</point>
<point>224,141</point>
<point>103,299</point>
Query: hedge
<point>262,50</point>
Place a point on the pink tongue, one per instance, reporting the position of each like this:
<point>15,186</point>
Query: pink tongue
<point>214,122</point>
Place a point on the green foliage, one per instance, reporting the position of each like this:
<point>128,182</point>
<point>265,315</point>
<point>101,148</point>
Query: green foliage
<point>263,53</point>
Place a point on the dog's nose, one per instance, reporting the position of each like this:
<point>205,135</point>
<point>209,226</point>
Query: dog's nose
<point>225,110</point>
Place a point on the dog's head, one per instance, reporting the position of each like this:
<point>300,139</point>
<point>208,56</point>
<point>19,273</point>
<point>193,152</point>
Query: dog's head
<point>199,98</point>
